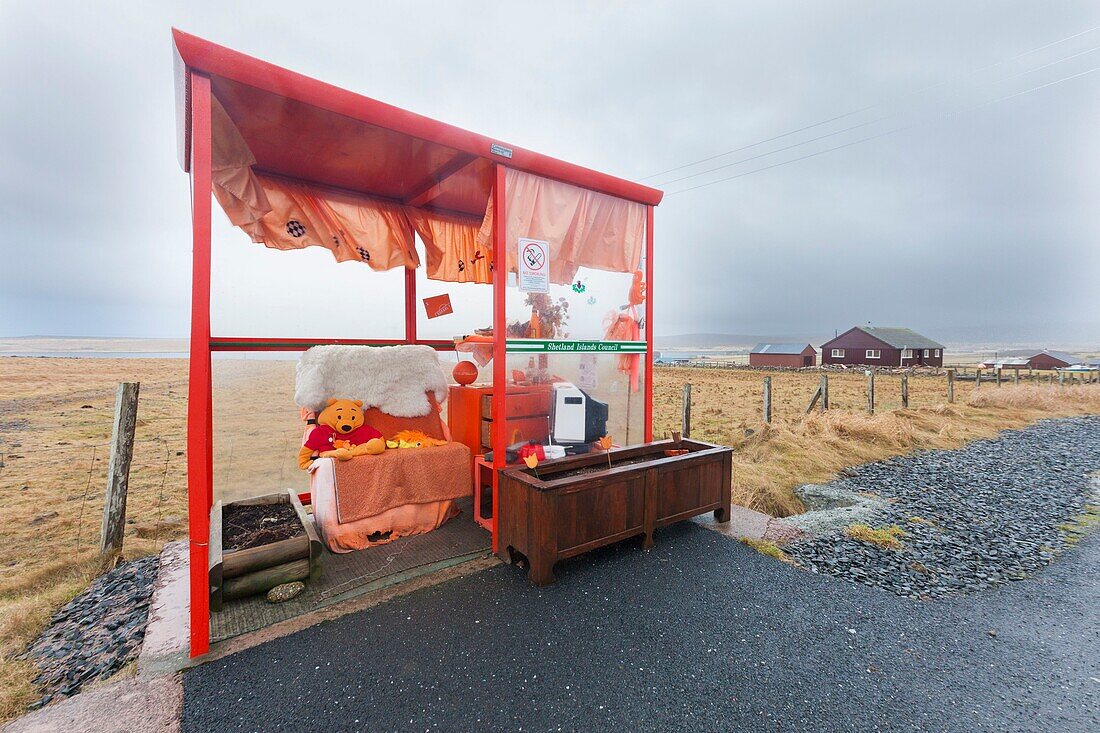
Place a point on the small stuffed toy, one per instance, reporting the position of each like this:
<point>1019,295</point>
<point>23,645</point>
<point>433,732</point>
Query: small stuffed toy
<point>341,433</point>
<point>413,439</point>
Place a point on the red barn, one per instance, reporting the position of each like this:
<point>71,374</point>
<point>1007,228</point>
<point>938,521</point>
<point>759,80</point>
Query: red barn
<point>783,355</point>
<point>1047,359</point>
<point>880,346</point>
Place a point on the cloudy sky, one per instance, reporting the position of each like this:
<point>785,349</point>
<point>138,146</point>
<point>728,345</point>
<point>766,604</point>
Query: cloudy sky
<point>963,202</point>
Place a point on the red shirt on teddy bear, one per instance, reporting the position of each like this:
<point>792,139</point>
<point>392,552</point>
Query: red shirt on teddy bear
<point>323,437</point>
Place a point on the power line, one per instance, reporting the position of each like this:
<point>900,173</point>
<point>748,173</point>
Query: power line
<point>873,106</point>
<point>857,126</point>
<point>884,134</point>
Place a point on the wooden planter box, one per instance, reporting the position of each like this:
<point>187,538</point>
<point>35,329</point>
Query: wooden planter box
<point>559,512</point>
<point>259,569</point>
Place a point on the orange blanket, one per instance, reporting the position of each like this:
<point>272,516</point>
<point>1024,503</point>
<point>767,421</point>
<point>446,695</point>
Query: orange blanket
<point>369,485</point>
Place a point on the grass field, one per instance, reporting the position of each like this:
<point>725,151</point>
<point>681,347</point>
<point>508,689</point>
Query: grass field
<point>55,423</point>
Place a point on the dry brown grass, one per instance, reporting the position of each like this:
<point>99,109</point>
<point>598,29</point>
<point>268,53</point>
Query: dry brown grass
<point>770,461</point>
<point>47,439</point>
<point>885,537</point>
<point>55,456</point>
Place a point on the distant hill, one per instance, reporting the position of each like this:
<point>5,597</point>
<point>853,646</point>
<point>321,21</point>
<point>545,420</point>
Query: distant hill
<point>732,340</point>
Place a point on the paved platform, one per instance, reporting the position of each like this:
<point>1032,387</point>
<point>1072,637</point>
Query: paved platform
<point>699,633</point>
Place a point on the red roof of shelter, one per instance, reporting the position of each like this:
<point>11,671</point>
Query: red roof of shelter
<point>312,131</point>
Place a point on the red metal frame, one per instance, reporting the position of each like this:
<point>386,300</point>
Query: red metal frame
<point>500,351</point>
<point>410,306</point>
<point>225,343</point>
<point>200,451</point>
<point>648,324</point>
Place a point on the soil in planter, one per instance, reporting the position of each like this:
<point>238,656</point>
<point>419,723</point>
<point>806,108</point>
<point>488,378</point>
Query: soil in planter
<point>597,467</point>
<point>252,525</point>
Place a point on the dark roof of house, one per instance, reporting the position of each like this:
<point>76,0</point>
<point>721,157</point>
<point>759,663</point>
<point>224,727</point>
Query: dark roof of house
<point>779,348</point>
<point>901,338</point>
<point>1059,355</point>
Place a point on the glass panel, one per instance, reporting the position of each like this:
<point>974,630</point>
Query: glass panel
<point>576,349</point>
<point>445,309</point>
<point>257,427</point>
<point>256,292</point>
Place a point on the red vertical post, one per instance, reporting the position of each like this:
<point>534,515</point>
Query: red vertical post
<point>200,454</point>
<point>648,323</point>
<point>500,351</point>
<point>410,305</point>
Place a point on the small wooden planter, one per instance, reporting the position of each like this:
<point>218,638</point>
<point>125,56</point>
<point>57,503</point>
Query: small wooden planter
<point>259,569</point>
<point>573,505</point>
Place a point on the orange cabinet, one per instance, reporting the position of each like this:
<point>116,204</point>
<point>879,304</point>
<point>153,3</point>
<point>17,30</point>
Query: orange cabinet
<point>470,415</point>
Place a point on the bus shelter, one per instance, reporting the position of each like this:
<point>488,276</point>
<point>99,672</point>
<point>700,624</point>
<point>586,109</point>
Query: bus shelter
<point>566,252</point>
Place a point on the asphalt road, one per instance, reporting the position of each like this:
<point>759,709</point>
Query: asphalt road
<point>701,633</point>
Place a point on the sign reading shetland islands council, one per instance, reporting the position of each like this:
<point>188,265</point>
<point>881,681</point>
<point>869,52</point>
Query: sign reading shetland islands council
<point>524,346</point>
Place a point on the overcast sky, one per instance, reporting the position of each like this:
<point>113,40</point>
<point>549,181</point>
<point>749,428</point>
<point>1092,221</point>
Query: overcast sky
<point>973,214</point>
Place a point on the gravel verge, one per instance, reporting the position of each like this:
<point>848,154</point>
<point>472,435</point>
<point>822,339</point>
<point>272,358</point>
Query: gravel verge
<point>993,511</point>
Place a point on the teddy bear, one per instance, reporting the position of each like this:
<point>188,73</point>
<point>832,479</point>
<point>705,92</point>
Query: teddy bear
<point>341,433</point>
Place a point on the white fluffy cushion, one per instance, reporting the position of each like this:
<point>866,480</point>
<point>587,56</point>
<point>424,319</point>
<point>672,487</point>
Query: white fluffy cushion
<point>392,378</point>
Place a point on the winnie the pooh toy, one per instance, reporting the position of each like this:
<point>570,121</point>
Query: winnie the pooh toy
<point>341,433</point>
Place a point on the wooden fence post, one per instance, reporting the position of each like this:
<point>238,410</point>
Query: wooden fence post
<point>118,470</point>
<point>767,399</point>
<point>978,378</point>
<point>1061,379</point>
<point>950,386</point>
<point>813,400</point>
<point>825,392</point>
<point>685,412</point>
<point>998,376</point>
<point>905,391</point>
<point>870,391</point>
<point>1015,377</point>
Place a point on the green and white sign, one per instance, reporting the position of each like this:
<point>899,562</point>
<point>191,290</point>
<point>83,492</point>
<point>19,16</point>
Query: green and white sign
<point>537,346</point>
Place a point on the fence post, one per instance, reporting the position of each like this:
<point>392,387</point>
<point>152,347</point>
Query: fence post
<point>767,399</point>
<point>685,411</point>
<point>950,386</point>
<point>1061,379</point>
<point>870,391</point>
<point>1015,377</point>
<point>905,391</point>
<point>998,376</point>
<point>825,392</point>
<point>118,470</point>
<point>978,378</point>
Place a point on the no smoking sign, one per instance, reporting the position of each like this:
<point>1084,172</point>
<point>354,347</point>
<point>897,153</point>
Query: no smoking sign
<point>534,266</point>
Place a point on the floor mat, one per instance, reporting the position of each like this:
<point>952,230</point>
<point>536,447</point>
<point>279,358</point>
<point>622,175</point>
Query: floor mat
<point>352,574</point>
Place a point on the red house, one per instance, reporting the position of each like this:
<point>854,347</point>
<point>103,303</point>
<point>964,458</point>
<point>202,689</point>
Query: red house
<point>1043,360</point>
<point>880,346</point>
<point>1047,359</point>
<point>783,355</point>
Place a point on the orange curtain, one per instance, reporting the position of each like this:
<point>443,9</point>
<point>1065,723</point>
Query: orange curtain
<point>351,226</point>
<point>583,227</point>
<point>452,247</point>
<point>235,185</point>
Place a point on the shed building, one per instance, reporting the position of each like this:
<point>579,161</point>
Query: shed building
<point>882,346</point>
<point>783,355</point>
<point>1047,359</point>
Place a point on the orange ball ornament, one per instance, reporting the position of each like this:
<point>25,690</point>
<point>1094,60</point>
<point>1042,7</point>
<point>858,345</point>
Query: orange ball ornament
<point>465,372</point>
